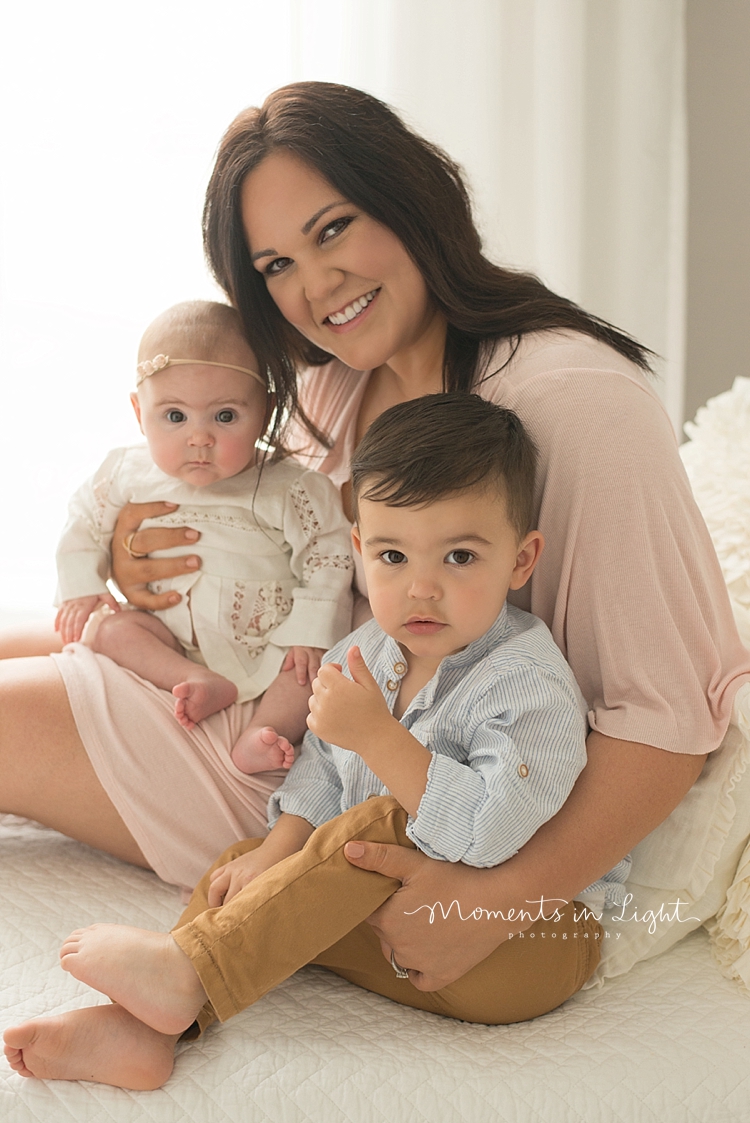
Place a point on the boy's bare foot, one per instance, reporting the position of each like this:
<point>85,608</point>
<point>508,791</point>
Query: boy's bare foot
<point>103,1043</point>
<point>203,694</point>
<point>259,750</point>
<point>146,972</point>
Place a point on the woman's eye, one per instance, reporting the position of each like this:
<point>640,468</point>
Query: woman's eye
<point>393,557</point>
<point>334,228</point>
<point>278,265</point>
<point>175,416</point>
<point>226,415</point>
<point>460,557</point>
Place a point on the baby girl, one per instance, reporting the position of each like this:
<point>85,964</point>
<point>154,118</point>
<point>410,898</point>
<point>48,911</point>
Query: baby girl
<point>274,588</point>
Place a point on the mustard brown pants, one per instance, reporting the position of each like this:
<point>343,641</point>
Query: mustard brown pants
<point>312,908</point>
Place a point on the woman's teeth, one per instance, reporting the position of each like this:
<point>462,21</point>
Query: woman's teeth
<point>352,309</point>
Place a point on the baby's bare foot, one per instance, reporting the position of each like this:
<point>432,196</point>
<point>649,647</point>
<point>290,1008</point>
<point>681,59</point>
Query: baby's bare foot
<point>146,972</point>
<point>259,750</point>
<point>103,1043</point>
<point>203,694</point>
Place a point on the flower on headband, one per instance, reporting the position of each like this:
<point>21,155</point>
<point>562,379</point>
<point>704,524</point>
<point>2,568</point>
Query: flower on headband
<point>151,366</point>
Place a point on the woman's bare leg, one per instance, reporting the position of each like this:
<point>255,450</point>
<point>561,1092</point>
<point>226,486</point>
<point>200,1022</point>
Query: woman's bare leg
<point>24,640</point>
<point>45,773</point>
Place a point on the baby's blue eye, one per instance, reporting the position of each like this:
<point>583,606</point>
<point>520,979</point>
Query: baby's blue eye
<point>176,416</point>
<point>226,415</point>
<point>393,557</point>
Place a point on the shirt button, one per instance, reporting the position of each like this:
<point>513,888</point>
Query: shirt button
<point>392,685</point>
<point>523,770</point>
<point>399,668</point>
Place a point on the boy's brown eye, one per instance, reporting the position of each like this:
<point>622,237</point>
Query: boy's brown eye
<point>460,557</point>
<point>225,416</point>
<point>393,557</point>
<point>175,416</point>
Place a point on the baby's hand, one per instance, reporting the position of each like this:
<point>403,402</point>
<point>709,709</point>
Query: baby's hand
<point>227,880</point>
<point>305,661</point>
<point>347,713</point>
<point>73,614</point>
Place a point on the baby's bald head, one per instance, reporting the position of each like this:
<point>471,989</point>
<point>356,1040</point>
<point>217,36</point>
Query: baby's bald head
<point>204,330</point>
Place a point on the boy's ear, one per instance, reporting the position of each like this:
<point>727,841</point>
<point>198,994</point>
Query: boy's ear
<point>137,409</point>
<point>356,540</point>
<point>529,553</point>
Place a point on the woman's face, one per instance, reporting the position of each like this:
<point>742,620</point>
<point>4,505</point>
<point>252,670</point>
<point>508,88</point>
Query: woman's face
<point>341,278</point>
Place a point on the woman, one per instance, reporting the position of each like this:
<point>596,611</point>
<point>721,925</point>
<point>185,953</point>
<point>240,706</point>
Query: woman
<point>337,232</point>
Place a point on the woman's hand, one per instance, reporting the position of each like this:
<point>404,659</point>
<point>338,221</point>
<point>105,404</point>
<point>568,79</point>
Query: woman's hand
<point>73,614</point>
<point>421,923</point>
<point>134,574</point>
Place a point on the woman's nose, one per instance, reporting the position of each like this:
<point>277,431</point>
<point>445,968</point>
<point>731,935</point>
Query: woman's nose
<point>320,280</point>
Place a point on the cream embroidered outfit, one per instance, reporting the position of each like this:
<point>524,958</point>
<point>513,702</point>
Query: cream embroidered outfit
<point>276,560</point>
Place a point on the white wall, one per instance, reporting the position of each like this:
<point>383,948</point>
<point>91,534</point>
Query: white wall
<point>568,116</point>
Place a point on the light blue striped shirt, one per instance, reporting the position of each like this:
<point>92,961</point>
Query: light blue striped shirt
<point>506,725</point>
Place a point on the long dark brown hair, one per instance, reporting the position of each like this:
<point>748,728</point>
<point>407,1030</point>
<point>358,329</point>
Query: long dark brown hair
<point>409,185</point>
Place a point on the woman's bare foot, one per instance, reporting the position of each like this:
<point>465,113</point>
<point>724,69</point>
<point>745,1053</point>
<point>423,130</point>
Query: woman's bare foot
<point>203,694</point>
<point>103,1043</point>
<point>146,972</point>
<point>259,750</point>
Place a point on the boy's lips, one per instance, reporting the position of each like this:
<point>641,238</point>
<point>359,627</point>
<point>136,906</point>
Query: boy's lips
<point>424,626</point>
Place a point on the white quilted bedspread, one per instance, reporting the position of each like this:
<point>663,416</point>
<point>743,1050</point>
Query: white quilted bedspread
<point>668,1043</point>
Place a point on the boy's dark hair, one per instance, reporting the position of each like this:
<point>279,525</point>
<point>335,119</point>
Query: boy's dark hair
<point>442,444</point>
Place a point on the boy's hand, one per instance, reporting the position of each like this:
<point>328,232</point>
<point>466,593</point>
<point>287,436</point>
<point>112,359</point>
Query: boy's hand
<point>304,661</point>
<point>73,614</point>
<point>227,880</point>
<point>348,713</point>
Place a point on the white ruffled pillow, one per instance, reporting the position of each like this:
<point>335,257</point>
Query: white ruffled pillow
<point>717,461</point>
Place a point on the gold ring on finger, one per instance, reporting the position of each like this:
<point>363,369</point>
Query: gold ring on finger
<point>128,546</point>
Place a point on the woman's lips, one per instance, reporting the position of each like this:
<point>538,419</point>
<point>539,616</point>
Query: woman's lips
<point>356,320</point>
<point>424,627</point>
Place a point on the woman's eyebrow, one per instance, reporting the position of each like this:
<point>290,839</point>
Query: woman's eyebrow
<point>328,207</point>
<point>305,229</point>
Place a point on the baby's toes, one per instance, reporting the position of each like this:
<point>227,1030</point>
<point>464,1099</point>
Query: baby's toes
<point>183,719</point>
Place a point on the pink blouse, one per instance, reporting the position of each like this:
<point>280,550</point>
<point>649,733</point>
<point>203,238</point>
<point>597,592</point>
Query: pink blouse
<point>628,582</point>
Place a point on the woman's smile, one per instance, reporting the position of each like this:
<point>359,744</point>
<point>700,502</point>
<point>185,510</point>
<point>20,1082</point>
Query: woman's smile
<point>340,321</point>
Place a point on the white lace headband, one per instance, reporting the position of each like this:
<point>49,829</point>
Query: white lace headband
<point>161,362</point>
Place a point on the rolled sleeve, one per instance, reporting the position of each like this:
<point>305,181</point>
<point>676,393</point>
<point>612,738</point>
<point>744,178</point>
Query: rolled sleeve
<point>519,771</point>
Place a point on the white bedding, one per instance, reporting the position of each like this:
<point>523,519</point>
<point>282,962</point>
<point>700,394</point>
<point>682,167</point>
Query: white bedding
<point>668,1043</point>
